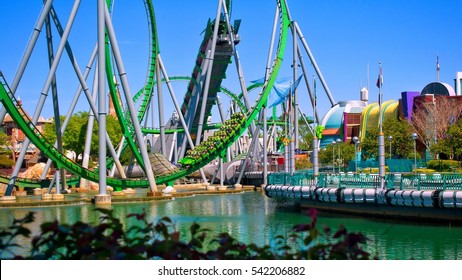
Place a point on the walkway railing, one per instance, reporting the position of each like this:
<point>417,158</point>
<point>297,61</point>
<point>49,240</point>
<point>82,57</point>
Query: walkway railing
<point>392,180</point>
<point>302,178</point>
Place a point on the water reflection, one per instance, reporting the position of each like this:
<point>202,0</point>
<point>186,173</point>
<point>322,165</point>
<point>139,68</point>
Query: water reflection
<point>391,239</point>
<point>252,217</point>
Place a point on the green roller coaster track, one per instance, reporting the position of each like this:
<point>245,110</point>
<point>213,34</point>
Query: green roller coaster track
<point>25,124</point>
<point>123,117</point>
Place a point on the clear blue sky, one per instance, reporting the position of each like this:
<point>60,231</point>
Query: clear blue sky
<point>344,37</point>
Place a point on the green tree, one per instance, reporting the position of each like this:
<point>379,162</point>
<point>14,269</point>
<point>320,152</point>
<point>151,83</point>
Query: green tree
<point>347,152</point>
<point>49,131</point>
<point>5,150</point>
<point>402,143</point>
<point>327,154</point>
<point>74,135</point>
<point>4,140</point>
<point>369,144</point>
<point>305,135</point>
<point>330,154</point>
<point>451,144</point>
<point>443,146</point>
<point>113,129</point>
<point>454,136</point>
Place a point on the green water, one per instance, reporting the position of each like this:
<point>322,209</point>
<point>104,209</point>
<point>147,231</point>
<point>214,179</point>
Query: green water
<point>252,217</point>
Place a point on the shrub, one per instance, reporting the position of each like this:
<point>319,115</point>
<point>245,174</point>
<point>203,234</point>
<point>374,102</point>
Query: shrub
<point>423,170</point>
<point>160,240</point>
<point>5,161</point>
<point>373,170</point>
<point>303,163</point>
<point>443,165</point>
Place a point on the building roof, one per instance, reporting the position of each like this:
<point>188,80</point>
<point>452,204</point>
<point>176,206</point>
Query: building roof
<point>370,115</point>
<point>438,88</point>
<point>9,119</point>
<point>334,118</point>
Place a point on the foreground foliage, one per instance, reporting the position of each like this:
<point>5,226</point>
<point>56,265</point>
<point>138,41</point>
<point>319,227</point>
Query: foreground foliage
<point>160,240</point>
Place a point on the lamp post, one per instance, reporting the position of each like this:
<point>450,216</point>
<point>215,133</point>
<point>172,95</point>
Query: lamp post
<point>338,142</point>
<point>356,141</point>
<point>333,156</point>
<point>390,138</point>
<point>414,136</point>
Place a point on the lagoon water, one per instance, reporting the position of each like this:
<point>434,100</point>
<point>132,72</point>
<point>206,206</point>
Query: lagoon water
<point>252,217</point>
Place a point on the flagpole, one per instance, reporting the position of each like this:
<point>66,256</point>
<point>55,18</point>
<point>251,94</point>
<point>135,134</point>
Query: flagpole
<point>295,65</point>
<point>315,151</point>
<point>379,85</point>
<point>437,68</point>
<point>291,133</point>
<point>381,139</point>
<point>314,102</point>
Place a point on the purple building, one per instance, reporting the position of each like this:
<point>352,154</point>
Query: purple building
<point>407,101</point>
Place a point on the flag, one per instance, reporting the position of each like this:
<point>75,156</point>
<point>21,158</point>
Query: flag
<point>437,63</point>
<point>380,78</point>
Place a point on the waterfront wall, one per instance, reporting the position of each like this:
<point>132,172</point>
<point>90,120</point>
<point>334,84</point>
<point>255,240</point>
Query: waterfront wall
<point>431,198</point>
